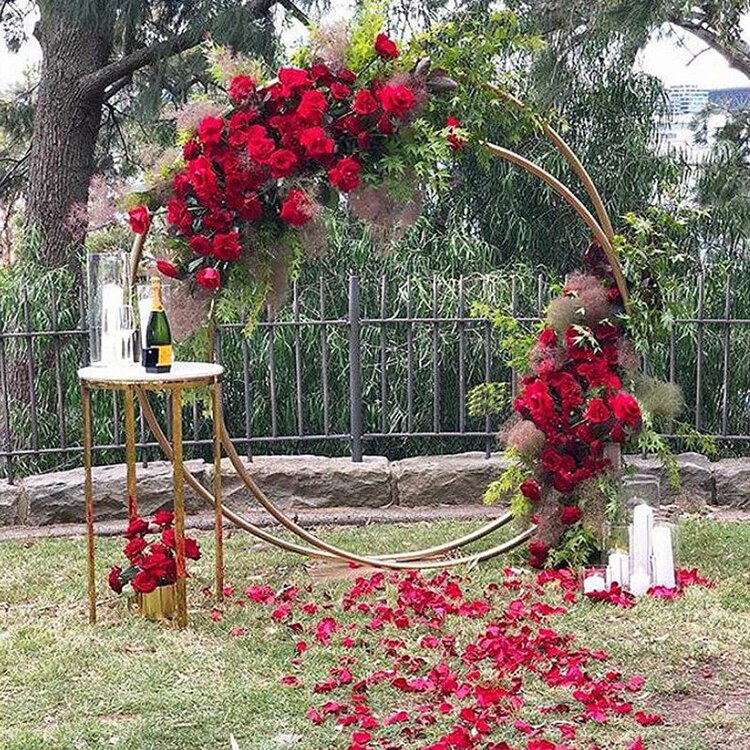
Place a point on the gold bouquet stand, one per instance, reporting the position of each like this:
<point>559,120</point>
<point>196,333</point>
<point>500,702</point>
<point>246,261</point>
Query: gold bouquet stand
<point>440,556</point>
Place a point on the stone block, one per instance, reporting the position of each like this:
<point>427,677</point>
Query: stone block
<point>57,497</point>
<point>696,477</point>
<point>12,504</point>
<point>458,479</point>
<point>309,482</point>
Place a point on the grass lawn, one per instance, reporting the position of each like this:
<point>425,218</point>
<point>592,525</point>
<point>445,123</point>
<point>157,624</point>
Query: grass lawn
<point>126,683</point>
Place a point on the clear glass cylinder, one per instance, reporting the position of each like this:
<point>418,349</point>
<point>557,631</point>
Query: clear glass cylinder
<point>108,286</point>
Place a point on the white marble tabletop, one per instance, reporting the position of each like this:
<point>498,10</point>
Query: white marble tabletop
<point>127,374</point>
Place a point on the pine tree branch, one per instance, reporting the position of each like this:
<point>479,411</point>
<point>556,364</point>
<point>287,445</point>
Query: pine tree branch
<point>737,54</point>
<point>97,81</point>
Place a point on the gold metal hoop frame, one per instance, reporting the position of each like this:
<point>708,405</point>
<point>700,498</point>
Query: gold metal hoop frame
<point>442,555</point>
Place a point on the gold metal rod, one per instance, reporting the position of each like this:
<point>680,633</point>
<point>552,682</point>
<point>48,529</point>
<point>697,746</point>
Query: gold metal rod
<point>574,202</point>
<point>136,253</point>
<point>178,470</point>
<point>88,491</point>
<point>130,452</point>
<point>265,536</point>
<point>570,156</point>
<point>218,517</point>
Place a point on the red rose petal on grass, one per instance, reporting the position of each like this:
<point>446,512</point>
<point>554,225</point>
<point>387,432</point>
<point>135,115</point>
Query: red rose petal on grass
<point>648,720</point>
<point>636,744</point>
<point>237,632</point>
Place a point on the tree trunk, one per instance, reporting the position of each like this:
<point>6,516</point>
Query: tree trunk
<point>66,126</point>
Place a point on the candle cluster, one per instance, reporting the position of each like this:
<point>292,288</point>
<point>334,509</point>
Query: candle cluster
<point>651,559</point>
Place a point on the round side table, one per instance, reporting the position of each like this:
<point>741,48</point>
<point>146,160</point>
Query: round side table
<point>135,381</point>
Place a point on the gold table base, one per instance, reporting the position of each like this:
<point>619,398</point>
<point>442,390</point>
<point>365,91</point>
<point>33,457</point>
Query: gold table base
<point>132,389</point>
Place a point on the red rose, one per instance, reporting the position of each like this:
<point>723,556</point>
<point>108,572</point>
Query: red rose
<point>346,76</point>
<point>455,140</point>
<point>226,246</point>
<point>293,78</point>
<point>319,72</point>
<point>282,162</point>
<point>166,268</point>
<point>210,129</point>
<point>296,209</point>
<point>191,150</point>
<point>385,126</point>
<point>598,373</point>
<point>192,550</point>
<point>203,177</point>
<point>315,142</point>
<point>115,582</point>
<point>208,278</point>
<point>340,91</point>
<point>168,538</point>
<point>396,99</point>
<point>144,582</point>
<point>363,141</point>
<point>538,552</point>
<point>571,514</point>
<point>385,47</point>
<point>530,489</point>
<point>564,481</point>
<point>134,547</point>
<point>135,528</point>
<point>344,175</point>
<point>240,88</point>
<point>180,184</point>
<point>200,245</point>
<point>312,104</point>
<point>163,518</point>
<point>251,208</point>
<point>140,219</point>
<point>597,411</point>
<point>259,145</point>
<point>625,408</point>
<point>548,337</point>
<point>364,103</point>
<point>179,216</point>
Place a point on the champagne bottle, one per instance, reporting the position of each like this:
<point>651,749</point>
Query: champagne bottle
<point>157,354</point>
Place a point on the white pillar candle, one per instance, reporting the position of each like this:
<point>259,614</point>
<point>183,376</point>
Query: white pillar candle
<point>112,301</point>
<point>594,582</point>
<point>663,557</point>
<point>639,583</point>
<point>642,547</point>
<point>618,569</point>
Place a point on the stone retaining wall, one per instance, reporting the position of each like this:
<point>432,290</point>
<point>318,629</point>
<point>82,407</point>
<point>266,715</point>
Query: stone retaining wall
<point>318,482</point>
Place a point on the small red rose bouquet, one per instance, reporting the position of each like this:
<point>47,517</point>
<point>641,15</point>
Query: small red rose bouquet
<point>150,551</point>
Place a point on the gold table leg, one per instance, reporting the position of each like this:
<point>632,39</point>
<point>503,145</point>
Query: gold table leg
<point>130,452</point>
<point>179,507</point>
<point>218,510</point>
<point>88,490</point>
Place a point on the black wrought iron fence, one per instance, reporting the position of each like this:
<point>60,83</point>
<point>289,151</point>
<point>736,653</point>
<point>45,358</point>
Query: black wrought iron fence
<point>354,367</point>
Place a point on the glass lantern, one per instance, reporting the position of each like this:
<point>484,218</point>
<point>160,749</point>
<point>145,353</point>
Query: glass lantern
<point>108,286</point>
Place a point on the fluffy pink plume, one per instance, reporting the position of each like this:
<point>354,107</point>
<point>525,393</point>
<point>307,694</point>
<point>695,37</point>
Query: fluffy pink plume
<point>525,438</point>
<point>188,117</point>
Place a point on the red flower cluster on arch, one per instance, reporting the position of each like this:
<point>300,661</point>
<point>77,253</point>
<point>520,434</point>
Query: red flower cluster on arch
<point>575,397</point>
<point>265,159</point>
<point>150,550</point>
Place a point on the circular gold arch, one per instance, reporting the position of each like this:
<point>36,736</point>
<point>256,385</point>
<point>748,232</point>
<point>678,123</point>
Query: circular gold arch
<point>439,556</point>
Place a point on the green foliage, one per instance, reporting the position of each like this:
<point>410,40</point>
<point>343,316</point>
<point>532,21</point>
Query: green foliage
<point>488,398</point>
<point>516,341</point>
<point>658,251</point>
<point>506,485</point>
<point>577,548</point>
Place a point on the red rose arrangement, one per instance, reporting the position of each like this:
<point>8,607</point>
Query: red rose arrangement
<point>150,551</point>
<point>279,150</point>
<point>576,400</point>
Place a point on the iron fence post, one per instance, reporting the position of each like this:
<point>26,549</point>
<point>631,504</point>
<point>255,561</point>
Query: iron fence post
<point>355,369</point>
